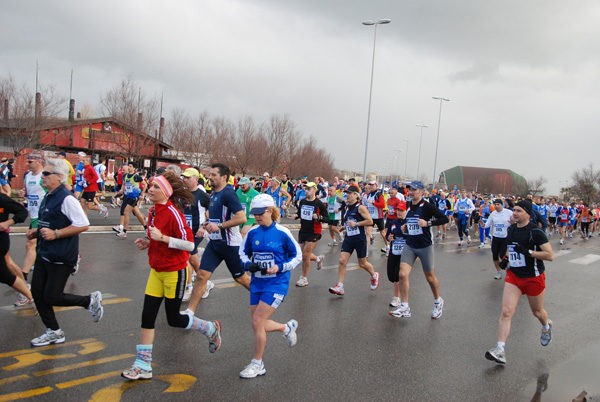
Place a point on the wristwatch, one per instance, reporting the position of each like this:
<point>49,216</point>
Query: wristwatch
<point>530,252</point>
<point>220,225</point>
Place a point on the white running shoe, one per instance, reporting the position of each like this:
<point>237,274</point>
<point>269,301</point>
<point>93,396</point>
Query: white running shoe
<point>22,300</point>
<point>95,308</point>
<point>136,373</point>
<point>302,282</point>
<point>332,243</point>
<point>375,281</point>
<point>320,260</point>
<point>188,293</point>
<point>401,312</point>
<point>496,354</point>
<point>498,275</point>
<point>460,242</point>
<point>49,337</point>
<point>209,287</point>
<point>395,302</point>
<point>337,290</point>
<point>468,239</point>
<point>437,309</point>
<point>291,335</point>
<point>253,370</point>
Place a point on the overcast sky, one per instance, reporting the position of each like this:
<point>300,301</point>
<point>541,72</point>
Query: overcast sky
<point>522,76</point>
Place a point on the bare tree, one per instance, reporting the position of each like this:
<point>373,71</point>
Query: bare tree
<point>246,145</point>
<point>536,186</point>
<point>24,116</point>
<point>585,183</point>
<point>87,111</point>
<point>127,103</point>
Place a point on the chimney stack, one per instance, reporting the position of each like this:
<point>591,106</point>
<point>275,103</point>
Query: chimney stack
<point>139,121</point>
<point>79,115</point>
<point>161,129</point>
<point>6,109</point>
<point>38,105</point>
<point>72,110</point>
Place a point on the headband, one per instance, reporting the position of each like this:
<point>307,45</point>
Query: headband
<point>164,185</point>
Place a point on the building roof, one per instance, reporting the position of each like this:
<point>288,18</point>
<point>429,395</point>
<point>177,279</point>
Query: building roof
<point>486,180</point>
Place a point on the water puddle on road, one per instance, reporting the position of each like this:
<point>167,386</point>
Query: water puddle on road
<point>568,379</point>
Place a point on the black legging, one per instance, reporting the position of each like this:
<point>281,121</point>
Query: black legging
<point>5,275</point>
<point>393,267</point>
<point>47,287</point>
<point>172,306</point>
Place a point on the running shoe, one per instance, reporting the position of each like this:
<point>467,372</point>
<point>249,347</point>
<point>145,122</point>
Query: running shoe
<point>337,290</point>
<point>136,373</point>
<point>333,243</point>
<point>122,235</point>
<point>104,212</point>
<point>188,293</point>
<point>372,239</point>
<point>340,238</point>
<point>375,281</point>
<point>481,245</point>
<point>76,267</point>
<point>546,337</point>
<point>401,312</point>
<point>561,242</point>
<point>253,370</point>
<point>443,236</point>
<point>209,287</point>
<point>437,309</point>
<point>22,300</point>
<point>468,239</point>
<point>95,308</point>
<point>49,337</point>
<point>496,354</point>
<point>395,302</point>
<point>291,337</point>
<point>214,340</point>
<point>460,242</point>
<point>498,275</point>
<point>320,260</point>
<point>385,249</point>
<point>117,229</point>
<point>302,282</point>
<point>438,234</point>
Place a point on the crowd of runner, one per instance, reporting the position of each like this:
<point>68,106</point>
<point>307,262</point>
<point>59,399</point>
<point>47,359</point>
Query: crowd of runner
<point>198,222</point>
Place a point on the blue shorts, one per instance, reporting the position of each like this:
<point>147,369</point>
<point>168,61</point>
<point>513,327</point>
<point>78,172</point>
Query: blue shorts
<point>214,254</point>
<point>269,298</point>
<point>197,241</point>
<point>563,224</point>
<point>449,213</point>
<point>78,188</point>
<point>101,186</point>
<point>359,246</point>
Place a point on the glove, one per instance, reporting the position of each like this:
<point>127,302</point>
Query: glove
<point>254,267</point>
<point>504,262</point>
<point>519,248</point>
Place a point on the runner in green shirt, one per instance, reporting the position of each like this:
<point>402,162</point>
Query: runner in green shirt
<point>246,193</point>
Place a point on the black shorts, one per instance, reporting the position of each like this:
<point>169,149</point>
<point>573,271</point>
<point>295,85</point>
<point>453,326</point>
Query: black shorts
<point>348,246</point>
<point>88,196</point>
<point>308,237</point>
<point>499,245</point>
<point>379,223</point>
<point>334,223</point>
<point>552,220</point>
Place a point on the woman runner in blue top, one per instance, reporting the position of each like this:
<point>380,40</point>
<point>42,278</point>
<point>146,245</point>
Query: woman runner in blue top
<point>269,252</point>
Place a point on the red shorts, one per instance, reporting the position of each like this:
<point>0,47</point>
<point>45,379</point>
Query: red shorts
<point>528,286</point>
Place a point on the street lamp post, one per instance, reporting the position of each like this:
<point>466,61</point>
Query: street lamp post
<point>398,171</point>
<point>438,136</point>
<point>406,157</point>
<point>369,22</point>
<point>420,143</point>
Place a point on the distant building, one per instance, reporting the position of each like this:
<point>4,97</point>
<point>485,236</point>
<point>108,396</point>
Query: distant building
<point>484,180</point>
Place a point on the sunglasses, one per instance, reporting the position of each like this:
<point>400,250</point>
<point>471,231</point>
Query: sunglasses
<point>46,174</point>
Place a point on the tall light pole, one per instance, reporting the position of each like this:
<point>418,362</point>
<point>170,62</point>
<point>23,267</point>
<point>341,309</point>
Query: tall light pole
<point>406,155</point>
<point>398,171</point>
<point>420,143</point>
<point>438,136</point>
<point>369,22</point>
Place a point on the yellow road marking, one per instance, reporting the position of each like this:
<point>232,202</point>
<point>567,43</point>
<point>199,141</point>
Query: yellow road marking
<point>87,380</point>
<point>30,359</point>
<point>13,379</point>
<point>114,392</point>
<point>29,313</point>
<point>91,347</point>
<point>84,364</point>
<point>179,382</point>
<point>60,345</point>
<point>25,394</point>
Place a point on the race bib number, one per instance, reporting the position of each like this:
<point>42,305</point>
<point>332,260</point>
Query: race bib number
<point>306,212</point>
<point>515,259</point>
<point>412,224</point>
<point>243,207</point>
<point>188,220</point>
<point>563,217</point>
<point>398,246</point>
<point>264,261</point>
<point>128,188</point>
<point>351,231</point>
<point>583,219</point>
<point>331,209</point>
<point>391,211</point>
<point>372,211</point>
<point>33,200</point>
<point>462,208</point>
<point>499,230</point>
<point>215,235</point>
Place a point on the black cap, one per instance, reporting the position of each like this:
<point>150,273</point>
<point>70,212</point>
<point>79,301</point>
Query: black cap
<point>161,170</point>
<point>526,205</point>
<point>63,153</point>
<point>352,189</point>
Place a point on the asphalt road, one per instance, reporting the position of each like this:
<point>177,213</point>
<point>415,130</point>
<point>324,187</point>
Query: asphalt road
<point>349,348</point>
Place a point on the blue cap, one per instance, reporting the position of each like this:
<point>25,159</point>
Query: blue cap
<point>417,184</point>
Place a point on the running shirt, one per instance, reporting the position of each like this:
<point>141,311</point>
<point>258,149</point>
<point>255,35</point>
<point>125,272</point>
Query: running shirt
<point>99,168</point>
<point>35,193</point>
<point>268,246</point>
<point>306,210</point>
<point>392,204</point>
<point>543,210</point>
<point>245,201</point>
<point>417,236</point>
<point>171,222</point>
<point>485,211</point>
<point>195,214</point>
<point>131,185</point>
<point>532,237</point>
<point>563,214</point>
<point>223,205</point>
<point>394,227</point>
<point>464,207</point>
<point>278,199</point>
<point>552,208</point>
<point>500,221</point>
<point>376,206</point>
<point>356,233</point>
<point>335,203</point>
<point>79,176</point>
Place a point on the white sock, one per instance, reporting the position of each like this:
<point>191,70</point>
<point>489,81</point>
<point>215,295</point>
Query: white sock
<point>501,345</point>
<point>404,304</point>
<point>259,362</point>
<point>437,301</point>
<point>546,328</point>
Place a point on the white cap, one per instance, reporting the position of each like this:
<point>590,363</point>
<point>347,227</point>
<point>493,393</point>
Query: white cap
<point>260,203</point>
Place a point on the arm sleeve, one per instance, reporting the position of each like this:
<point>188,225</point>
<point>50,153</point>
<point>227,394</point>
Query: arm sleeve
<point>233,202</point>
<point>440,217</point>
<point>380,203</point>
<point>245,250</point>
<point>181,244</point>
